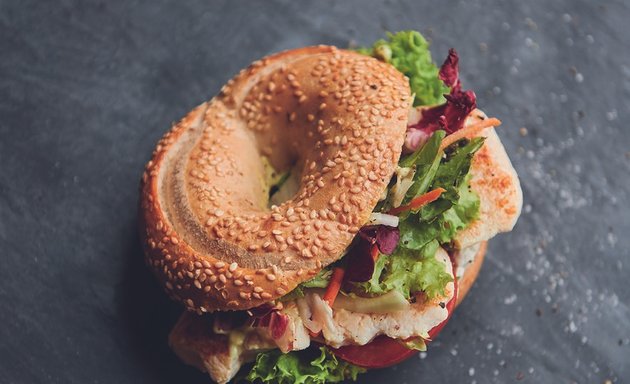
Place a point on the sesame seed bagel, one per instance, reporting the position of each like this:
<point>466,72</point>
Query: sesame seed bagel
<point>335,117</point>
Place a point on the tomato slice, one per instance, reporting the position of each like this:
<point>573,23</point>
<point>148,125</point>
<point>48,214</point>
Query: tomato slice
<point>383,351</point>
<point>379,353</point>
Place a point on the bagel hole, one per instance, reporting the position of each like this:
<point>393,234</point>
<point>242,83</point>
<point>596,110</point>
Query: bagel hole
<point>282,185</point>
<point>286,190</point>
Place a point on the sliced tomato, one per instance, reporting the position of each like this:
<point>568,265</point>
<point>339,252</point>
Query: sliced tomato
<point>383,351</point>
<point>379,353</point>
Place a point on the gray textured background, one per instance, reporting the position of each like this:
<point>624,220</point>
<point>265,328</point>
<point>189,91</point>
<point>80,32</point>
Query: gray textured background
<point>87,88</point>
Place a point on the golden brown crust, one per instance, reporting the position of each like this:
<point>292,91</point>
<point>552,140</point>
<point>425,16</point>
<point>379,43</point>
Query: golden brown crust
<point>207,231</point>
<point>470,274</point>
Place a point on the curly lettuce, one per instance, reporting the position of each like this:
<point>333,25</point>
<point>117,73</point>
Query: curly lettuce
<point>299,368</point>
<point>408,271</point>
<point>408,51</point>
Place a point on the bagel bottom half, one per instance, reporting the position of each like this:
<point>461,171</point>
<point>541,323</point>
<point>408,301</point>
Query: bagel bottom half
<point>193,340</point>
<point>470,274</point>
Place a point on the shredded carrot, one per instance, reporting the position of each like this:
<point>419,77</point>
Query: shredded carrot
<point>374,252</point>
<point>419,201</point>
<point>469,131</point>
<point>334,285</point>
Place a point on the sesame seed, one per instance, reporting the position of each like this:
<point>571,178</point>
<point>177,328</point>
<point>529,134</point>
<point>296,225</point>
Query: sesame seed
<point>219,264</point>
<point>258,289</point>
<point>271,277</point>
<point>265,295</point>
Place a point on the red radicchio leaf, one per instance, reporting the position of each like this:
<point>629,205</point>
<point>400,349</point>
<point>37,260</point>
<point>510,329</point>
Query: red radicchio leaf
<point>387,239</point>
<point>360,265</point>
<point>268,316</point>
<point>261,310</point>
<point>278,324</point>
<point>459,104</point>
<point>449,116</point>
<point>415,138</point>
<point>360,260</point>
<point>449,71</point>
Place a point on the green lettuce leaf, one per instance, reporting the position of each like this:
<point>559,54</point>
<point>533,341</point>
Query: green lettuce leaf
<point>408,51</point>
<point>319,281</point>
<point>426,161</point>
<point>417,343</point>
<point>413,267</point>
<point>409,271</point>
<point>300,368</point>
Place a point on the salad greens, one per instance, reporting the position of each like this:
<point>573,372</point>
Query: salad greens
<point>295,367</point>
<point>318,281</point>
<point>413,266</point>
<point>408,51</point>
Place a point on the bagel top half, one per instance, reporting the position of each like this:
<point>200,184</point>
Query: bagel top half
<point>336,117</point>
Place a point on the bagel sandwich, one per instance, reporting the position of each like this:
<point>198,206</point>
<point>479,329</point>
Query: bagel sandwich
<point>326,212</point>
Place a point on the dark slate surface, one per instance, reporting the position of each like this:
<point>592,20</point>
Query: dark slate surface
<point>87,88</point>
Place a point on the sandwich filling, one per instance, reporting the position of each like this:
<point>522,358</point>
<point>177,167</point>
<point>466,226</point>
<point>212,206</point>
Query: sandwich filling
<point>399,274</point>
